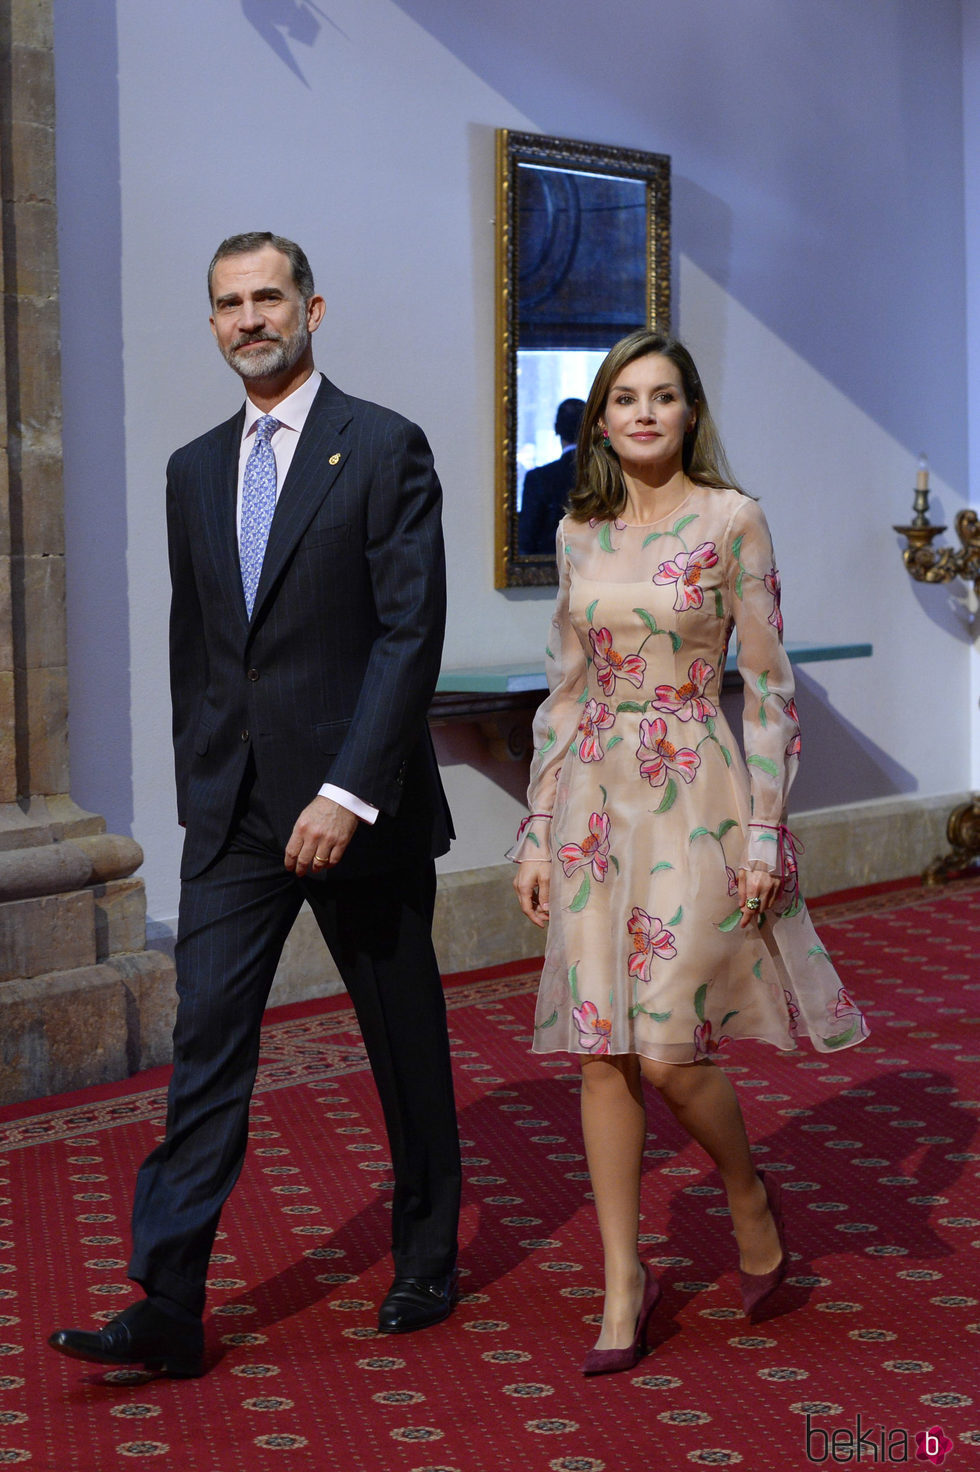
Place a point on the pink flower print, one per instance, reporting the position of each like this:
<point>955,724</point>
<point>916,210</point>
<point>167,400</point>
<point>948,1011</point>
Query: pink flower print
<point>650,939</point>
<point>688,702</point>
<point>792,1009</point>
<point>932,1446</point>
<point>595,521</point>
<point>732,881</point>
<point>771,581</point>
<point>611,666</point>
<point>685,570</point>
<point>593,1030</point>
<point>662,756</point>
<point>844,1006</point>
<point>596,717</point>
<point>704,1043</point>
<point>593,850</point>
<point>796,741</point>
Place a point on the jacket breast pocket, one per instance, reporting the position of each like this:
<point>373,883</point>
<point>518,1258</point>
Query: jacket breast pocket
<point>324,536</point>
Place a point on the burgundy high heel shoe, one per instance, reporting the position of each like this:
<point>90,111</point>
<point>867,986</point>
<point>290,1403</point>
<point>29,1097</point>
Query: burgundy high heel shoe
<point>609,1361</point>
<point>758,1287</point>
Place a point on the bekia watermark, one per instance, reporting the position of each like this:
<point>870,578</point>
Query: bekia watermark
<point>875,1444</point>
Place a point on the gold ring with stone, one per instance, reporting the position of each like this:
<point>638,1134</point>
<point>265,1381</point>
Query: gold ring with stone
<point>753,904</point>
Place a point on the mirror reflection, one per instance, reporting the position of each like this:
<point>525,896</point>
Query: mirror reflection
<point>583,258</point>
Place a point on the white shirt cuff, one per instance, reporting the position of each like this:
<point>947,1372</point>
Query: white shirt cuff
<point>362,810</point>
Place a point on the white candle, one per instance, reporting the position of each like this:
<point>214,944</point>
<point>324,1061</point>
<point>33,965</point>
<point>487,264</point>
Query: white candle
<point>922,476</point>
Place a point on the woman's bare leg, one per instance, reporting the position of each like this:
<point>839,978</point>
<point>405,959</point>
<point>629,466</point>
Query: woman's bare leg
<point>614,1129</point>
<point>704,1103</point>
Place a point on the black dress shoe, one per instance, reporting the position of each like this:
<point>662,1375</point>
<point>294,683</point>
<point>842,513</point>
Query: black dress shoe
<point>416,1303</point>
<point>140,1335</point>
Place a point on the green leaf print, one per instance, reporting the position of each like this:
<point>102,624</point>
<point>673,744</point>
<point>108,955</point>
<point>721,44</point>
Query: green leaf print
<point>533,838</point>
<point>726,827</point>
<point>653,537</point>
<point>604,795</point>
<point>737,547</point>
<point>547,653</point>
<point>757,970</point>
<point>679,526</point>
<point>549,740</point>
<point>662,865</point>
<point>699,833</point>
<point>719,605</point>
<point>676,919</point>
<point>764,683</point>
<point>763,718</point>
<point>792,910</point>
<point>633,706</point>
<point>584,696</point>
<point>738,584</point>
<point>728,1017</point>
<point>613,741</point>
<point>819,951</point>
<point>636,1009</point>
<point>582,898</point>
<point>765,763</point>
<point>540,1026</point>
<point>604,537</point>
<point>726,754</point>
<point>614,861</point>
<point>590,610</point>
<point>648,619</point>
<point>842,1038</point>
<point>669,797</point>
<point>675,640</point>
<point>573,984</point>
<point>699,997</point>
<point>730,921</point>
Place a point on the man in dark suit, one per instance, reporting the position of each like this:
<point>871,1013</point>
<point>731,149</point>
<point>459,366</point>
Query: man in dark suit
<point>546,488</point>
<point>306,629</point>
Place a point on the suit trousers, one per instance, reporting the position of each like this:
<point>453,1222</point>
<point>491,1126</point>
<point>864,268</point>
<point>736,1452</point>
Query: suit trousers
<point>234,920</point>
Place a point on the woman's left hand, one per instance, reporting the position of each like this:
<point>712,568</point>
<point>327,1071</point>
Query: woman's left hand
<point>756,884</point>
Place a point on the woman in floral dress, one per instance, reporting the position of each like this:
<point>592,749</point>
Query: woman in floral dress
<point>657,855</point>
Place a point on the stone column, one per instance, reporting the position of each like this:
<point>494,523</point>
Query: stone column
<point>81,999</point>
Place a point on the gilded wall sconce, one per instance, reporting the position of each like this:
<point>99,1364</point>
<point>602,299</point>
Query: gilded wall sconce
<point>929,564</point>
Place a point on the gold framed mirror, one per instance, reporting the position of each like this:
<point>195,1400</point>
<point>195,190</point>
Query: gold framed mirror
<point>583,257</point>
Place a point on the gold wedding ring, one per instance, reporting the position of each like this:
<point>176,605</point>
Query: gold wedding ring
<point>319,863</point>
<point>753,904</point>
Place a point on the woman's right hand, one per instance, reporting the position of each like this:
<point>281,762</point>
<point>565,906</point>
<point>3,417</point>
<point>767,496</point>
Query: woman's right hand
<point>532,883</point>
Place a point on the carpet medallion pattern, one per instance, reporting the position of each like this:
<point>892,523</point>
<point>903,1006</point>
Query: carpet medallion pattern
<point>876,1334</point>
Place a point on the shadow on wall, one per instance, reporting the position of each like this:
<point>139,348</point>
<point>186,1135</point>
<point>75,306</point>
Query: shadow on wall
<point>280,21</point>
<point>840,763</point>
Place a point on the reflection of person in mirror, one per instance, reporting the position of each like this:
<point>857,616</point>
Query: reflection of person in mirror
<point>546,489</point>
<point>658,858</point>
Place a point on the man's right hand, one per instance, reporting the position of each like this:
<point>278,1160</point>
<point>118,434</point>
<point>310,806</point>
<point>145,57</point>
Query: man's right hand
<point>533,884</point>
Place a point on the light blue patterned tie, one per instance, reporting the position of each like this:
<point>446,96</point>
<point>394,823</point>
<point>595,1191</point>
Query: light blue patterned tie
<point>258,505</point>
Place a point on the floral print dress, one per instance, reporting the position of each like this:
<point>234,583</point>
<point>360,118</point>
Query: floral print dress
<point>647,809</point>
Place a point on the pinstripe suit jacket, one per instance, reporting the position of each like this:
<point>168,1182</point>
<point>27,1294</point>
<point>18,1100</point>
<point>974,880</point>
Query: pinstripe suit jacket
<point>331,678</point>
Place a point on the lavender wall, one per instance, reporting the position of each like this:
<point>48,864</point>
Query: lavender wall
<point>821,272</point>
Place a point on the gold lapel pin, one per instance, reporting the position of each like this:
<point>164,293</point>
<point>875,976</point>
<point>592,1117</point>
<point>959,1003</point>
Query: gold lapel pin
<point>334,459</point>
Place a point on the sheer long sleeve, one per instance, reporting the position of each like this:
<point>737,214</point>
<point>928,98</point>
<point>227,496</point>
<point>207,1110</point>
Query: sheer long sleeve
<point>556,720</point>
<point>771,732</point>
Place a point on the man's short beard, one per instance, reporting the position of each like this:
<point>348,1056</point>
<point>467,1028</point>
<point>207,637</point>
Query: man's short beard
<point>277,356</point>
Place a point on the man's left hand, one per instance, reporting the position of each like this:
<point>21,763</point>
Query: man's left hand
<point>320,836</point>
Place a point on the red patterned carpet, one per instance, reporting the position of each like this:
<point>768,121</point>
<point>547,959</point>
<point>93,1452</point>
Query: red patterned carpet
<point>876,1149</point>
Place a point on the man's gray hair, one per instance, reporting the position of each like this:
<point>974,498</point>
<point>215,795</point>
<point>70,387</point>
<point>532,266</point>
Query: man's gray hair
<point>240,245</point>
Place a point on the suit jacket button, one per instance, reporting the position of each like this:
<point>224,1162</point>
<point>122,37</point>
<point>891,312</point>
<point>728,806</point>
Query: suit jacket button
<point>244,735</point>
<point>253,674</point>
